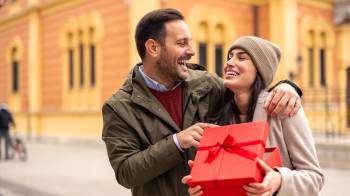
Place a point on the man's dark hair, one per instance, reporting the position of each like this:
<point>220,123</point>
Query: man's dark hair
<point>151,26</point>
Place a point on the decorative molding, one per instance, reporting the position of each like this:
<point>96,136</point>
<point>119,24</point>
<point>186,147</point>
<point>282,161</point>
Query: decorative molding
<point>323,4</point>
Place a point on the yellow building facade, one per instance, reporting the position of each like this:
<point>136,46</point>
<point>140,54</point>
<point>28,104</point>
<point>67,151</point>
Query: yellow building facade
<point>60,59</point>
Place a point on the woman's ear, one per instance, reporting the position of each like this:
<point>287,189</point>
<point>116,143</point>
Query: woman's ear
<point>152,48</point>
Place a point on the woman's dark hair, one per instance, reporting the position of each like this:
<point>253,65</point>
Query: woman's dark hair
<point>258,86</point>
<point>151,26</point>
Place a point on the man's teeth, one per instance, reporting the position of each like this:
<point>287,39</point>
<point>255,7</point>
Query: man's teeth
<point>182,62</point>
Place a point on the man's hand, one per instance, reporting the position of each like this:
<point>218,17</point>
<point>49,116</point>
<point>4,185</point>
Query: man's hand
<point>193,191</point>
<point>282,101</point>
<point>271,183</point>
<point>192,135</point>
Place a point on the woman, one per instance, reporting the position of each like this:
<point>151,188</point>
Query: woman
<point>249,70</point>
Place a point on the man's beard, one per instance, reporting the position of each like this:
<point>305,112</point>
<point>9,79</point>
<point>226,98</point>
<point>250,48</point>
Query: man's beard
<point>165,67</point>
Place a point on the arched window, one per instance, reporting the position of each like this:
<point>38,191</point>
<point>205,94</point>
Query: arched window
<point>219,47</point>
<point>203,44</point>
<point>70,61</point>
<point>92,57</point>
<point>323,81</point>
<point>81,59</point>
<point>311,62</point>
<point>15,70</point>
<point>348,96</point>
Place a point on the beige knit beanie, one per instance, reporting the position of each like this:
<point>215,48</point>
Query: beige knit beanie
<point>265,55</point>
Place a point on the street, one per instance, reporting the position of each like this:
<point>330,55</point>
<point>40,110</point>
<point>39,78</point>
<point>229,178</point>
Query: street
<point>71,168</point>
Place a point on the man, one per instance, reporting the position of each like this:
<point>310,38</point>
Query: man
<point>6,120</point>
<point>154,122</point>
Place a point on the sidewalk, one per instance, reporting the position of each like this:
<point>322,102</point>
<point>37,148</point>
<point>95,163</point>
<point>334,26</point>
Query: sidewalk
<point>56,168</point>
<point>82,168</point>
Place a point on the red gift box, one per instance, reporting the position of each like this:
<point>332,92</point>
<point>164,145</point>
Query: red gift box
<point>226,158</point>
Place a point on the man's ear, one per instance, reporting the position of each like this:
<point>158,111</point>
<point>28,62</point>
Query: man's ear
<point>152,47</point>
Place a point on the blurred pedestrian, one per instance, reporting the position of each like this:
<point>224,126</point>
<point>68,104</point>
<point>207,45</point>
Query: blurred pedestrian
<point>6,120</point>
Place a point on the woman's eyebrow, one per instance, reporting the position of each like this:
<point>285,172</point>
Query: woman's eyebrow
<point>238,53</point>
<point>241,53</point>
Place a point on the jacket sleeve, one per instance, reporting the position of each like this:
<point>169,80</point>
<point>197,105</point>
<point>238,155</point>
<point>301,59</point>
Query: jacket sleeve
<point>12,121</point>
<point>133,162</point>
<point>306,178</point>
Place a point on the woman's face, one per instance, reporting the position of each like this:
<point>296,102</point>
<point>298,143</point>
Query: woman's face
<point>240,71</point>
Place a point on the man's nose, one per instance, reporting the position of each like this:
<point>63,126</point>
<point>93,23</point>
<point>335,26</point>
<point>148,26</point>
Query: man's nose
<point>190,51</point>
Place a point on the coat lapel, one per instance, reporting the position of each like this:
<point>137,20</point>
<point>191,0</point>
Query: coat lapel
<point>148,101</point>
<point>193,93</point>
<point>155,107</point>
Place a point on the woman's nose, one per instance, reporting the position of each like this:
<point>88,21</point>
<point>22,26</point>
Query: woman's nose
<point>230,62</point>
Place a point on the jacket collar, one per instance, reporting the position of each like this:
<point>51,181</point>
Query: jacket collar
<point>195,87</point>
<point>140,95</point>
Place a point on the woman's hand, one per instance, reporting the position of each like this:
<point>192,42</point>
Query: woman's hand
<point>193,191</point>
<point>271,183</point>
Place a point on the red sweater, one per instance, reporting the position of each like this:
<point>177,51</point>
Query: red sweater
<point>172,102</point>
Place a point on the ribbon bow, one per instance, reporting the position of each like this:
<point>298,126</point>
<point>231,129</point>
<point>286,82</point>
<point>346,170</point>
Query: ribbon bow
<point>232,146</point>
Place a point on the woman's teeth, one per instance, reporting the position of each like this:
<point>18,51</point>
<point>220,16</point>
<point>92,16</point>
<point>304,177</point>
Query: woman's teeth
<point>232,73</point>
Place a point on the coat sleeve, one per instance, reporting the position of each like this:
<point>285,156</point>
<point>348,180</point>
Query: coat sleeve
<point>306,178</point>
<point>12,121</point>
<point>133,163</point>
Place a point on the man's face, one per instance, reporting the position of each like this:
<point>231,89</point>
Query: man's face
<point>175,53</point>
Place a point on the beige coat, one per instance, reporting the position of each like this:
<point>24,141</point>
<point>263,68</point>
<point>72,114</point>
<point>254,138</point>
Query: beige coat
<point>301,172</point>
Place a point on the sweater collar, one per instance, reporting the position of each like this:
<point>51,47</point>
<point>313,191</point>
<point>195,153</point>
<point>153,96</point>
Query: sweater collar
<point>152,84</point>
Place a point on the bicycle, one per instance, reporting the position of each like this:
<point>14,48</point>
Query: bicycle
<point>18,149</point>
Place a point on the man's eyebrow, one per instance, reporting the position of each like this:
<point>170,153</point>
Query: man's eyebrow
<point>184,39</point>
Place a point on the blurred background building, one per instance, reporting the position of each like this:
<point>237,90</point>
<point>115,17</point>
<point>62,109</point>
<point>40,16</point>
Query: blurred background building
<point>60,59</point>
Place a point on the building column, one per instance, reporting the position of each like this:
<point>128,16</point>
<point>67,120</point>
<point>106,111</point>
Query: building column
<point>283,31</point>
<point>34,76</point>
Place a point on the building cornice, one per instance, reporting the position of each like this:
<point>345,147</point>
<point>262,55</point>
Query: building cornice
<point>252,2</point>
<point>322,4</point>
<point>43,9</point>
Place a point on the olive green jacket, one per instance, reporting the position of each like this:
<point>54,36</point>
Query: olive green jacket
<point>138,132</point>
